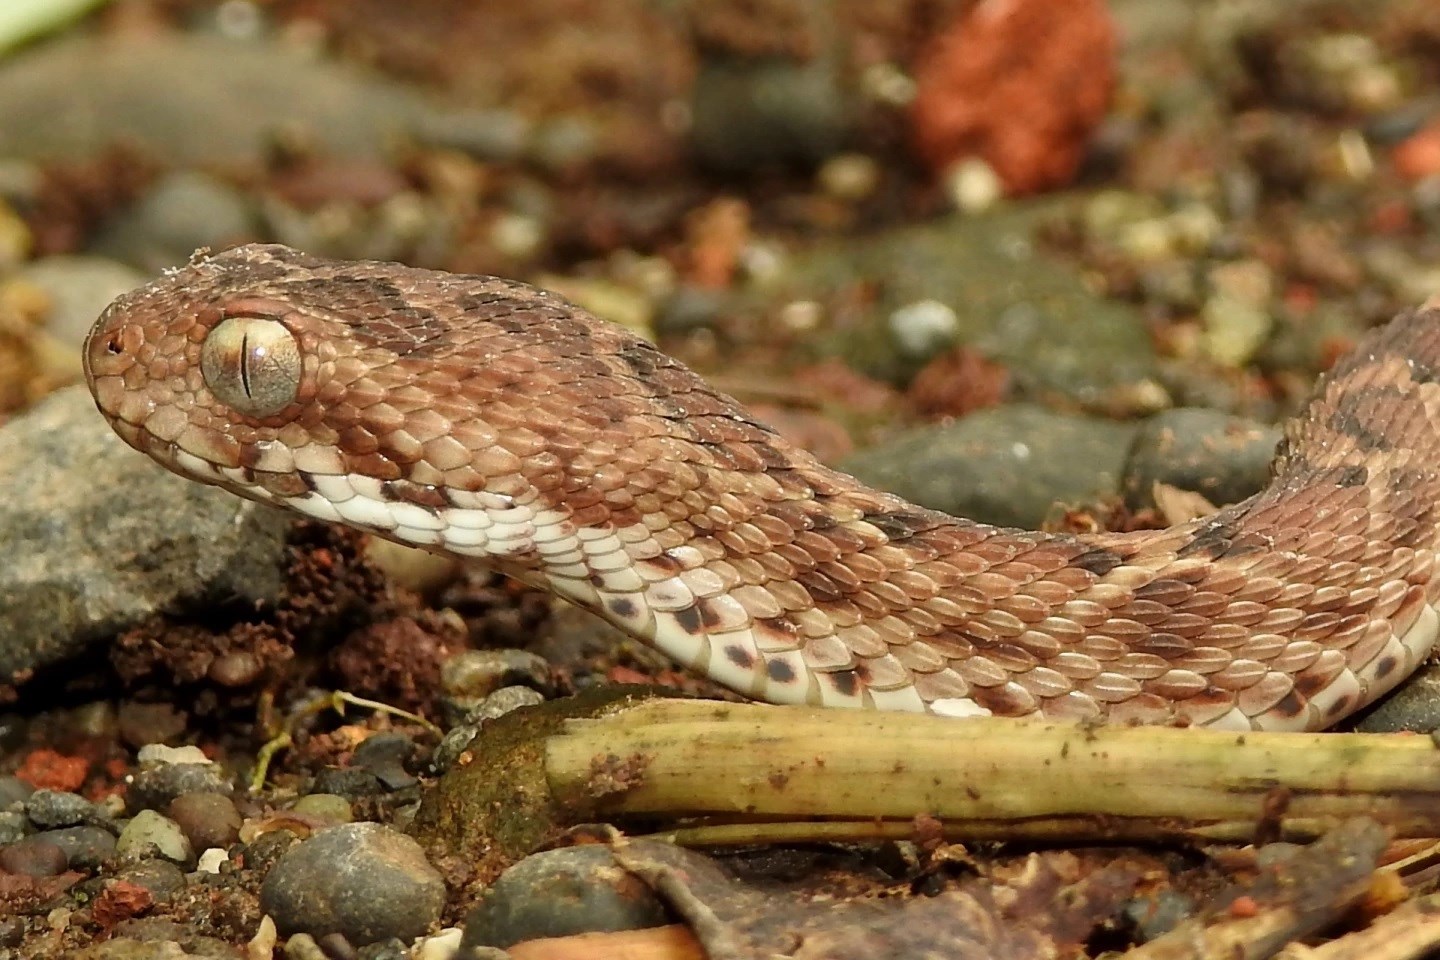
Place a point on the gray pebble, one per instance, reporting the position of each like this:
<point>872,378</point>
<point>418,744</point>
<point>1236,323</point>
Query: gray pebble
<point>1155,915</point>
<point>1008,465</point>
<point>79,287</point>
<point>558,893</point>
<point>154,787</point>
<point>48,809</point>
<point>386,755</point>
<point>1224,458</point>
<point>325,807</point>
<point>157,937</point>
<point>85,847</point>
<point>180,213</point>
<point>149,833</point>
<point>163,879</point>
<point>13,826</point>
<point>465,729</point>
<point>757,114</point>
<point>73,97</point>
<point>14,791</point>
<point>362,880</point>
<point>347,782</point>
<point>494,135</point>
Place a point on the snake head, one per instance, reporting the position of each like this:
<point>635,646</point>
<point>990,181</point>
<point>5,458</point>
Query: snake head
<point>388,398</point>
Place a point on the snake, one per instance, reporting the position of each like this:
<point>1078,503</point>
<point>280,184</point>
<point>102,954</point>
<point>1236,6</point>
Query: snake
<point>496,422</point>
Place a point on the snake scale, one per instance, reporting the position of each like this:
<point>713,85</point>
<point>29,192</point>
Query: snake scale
<point>487,419</point>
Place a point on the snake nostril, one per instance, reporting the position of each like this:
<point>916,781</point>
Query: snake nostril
<point>113,346</point>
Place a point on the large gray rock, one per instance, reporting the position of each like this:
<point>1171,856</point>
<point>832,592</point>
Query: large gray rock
<point>98,538</point>
<point>75,97</point>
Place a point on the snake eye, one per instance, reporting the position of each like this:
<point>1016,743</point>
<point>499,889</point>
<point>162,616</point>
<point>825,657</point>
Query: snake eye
<point>252,364</point>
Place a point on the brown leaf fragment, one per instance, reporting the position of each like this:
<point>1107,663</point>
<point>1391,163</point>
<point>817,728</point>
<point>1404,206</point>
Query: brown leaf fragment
<point>1048,906</point>
<point>1292,899</point>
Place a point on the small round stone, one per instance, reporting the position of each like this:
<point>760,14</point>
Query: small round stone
<point>467,726</point>
<point>325,807</point>
<point>364,881</point>
<point>155,786</point>
<point>13,791</point>
<point>207,819</point>
<point>149,833</point>
<point>13,826</point>
<point>348,782</point>
<point>48,809</point>
<point>558,893</point>
<point>33,857</point>
<point>85,847</point>
<point>385,755</point>
<point>475,673</point>
<point>142,723</point>
<point>162,879</point>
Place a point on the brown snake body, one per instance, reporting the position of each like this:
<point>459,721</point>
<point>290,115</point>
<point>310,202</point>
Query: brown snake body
<point>488,419</point>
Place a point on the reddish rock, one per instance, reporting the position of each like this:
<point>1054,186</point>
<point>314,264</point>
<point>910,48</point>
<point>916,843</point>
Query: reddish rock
<point>49,770</point>
<point>1018,83</point>
<point>1418,156</point>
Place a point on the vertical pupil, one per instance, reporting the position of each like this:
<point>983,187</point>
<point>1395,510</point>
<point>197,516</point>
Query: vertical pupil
<point>245,364</point>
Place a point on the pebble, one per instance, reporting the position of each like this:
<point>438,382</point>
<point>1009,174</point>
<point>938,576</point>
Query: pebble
<point>164,880</point>
<point>58,808</point>
<point>180,213</point>
<point>162,753</point>
<point>973,186</point>
<point>923,328</point>
<point>86,848</point>
<point>33,857</point>
<point>347,782</point>
<point>753,114</point>
<point>140,724</point>
<point>13,826</point>
<point>498,135</point>
<point>689,308</point>
<point>466,727</point>
<point>849,176</point>
<point>207,819</point>
<point>155,786</point>
<point>79,286</point>
<point>476,673</point>
<point>14,791</point>
<point>1152,916</point>
<point>1005,465</point>
<point>212,860</point>
<point>364,881</point>
<point>386,755</point>
<point>1221,457</point>
<point>149,833</point>
<point>558,893</point>
<point>1234,330</point>
<point>325,807</point>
